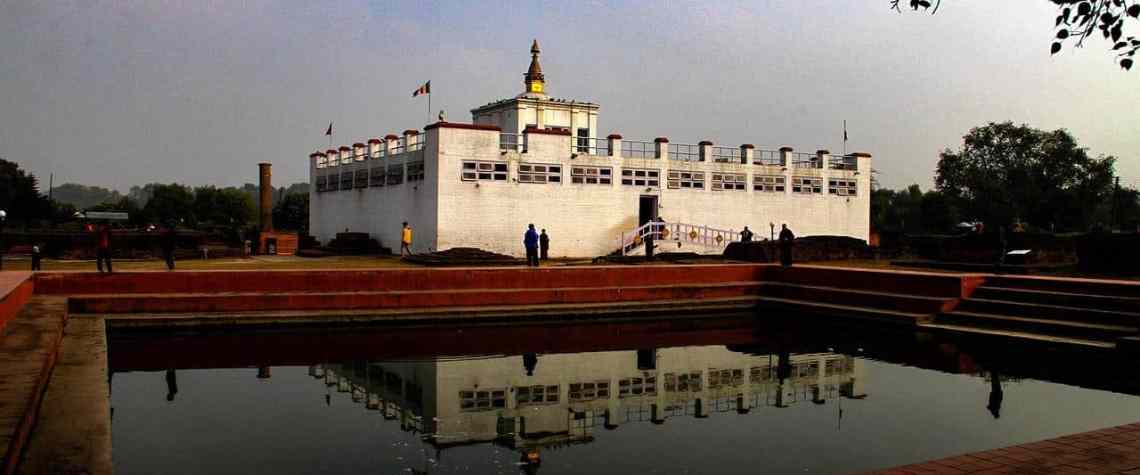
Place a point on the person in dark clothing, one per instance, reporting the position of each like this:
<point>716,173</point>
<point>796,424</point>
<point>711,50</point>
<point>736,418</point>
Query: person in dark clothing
<point>543,245</point>
<point>171,385</point>
<point>786,240</point>
<point>169,239</point>
<point>530,242</point>
<point>530,361</point>
<point>103,248</point>
<point>36,257</point>
<point>996,395</point>
<point>746,235</point>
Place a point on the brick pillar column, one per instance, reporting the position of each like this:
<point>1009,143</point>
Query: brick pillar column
<point>358,153</point>
<point>661,147</point>
<point>614,143</point>
<point>747,152</point>
<point>706,151</point>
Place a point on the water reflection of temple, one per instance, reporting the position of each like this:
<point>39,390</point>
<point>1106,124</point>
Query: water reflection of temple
<point>570,396</point>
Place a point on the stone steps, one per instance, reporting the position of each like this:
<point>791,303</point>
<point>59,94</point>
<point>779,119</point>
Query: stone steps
<point>881,315</point>
<point>1086,312</point>
<point>1118,288</point>
<point>1044,326</point>
<point>972,331</point>
<point>847,297</point>
<point>1046,311</point>
<point>1101,301</point>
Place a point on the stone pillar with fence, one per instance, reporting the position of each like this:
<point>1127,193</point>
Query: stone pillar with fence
<point>705,151</point>
<point>661,148</point>
<point>613,141</point>
<point>392,145</point>
<point>374,149</point>
<point>747,153</point>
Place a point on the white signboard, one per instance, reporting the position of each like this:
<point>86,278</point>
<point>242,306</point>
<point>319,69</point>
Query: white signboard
<point>108,215</point>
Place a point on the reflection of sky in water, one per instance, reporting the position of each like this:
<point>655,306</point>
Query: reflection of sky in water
<point>229,421</point>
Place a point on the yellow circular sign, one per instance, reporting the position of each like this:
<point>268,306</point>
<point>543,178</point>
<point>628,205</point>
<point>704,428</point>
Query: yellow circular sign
<point>719,238</point>
<point>693,234</point>
<point>664,233</point>
<point>637,239</point>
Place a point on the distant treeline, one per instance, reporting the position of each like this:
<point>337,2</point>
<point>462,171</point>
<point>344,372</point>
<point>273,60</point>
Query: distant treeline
<point>203,207</point>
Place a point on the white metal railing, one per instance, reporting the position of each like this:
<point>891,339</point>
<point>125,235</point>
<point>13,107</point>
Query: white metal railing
<point>768,157</point>
<point>726,154</point>
<point>840,162</point>
<point>591,146</point>
<point>685,152</point>
<point>638,149</point>
<point>805,160</point>
<point>675,232</point>
<point>512,142</point>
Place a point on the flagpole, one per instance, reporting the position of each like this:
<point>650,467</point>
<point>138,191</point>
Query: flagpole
<point>844,137</point>
<point>429,107</point>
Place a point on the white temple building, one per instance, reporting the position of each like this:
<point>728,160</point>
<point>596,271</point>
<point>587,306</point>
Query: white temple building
<point>538,159</point>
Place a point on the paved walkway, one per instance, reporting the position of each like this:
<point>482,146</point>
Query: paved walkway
<point>1115,450</point>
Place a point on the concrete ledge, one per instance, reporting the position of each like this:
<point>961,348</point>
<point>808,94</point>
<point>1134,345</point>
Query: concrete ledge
<point>334,280</point>
<point>312,301</point>
<point>73,431</point>
<point>28,353</point>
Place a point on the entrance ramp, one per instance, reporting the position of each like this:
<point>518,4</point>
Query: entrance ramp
<point>693,235</point>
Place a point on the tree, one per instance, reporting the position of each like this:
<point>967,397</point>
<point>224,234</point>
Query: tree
<point>229,207</point>
<point>83,196</point>
<point>20,195</point>
<point>292,212</point>
<point>170,203</point>
<point>1077,20</point>
<point>1005,173</point>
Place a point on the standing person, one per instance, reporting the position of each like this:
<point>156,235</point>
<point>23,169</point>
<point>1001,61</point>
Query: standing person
<point>530,242</point>
<point>786,240</point>
<point>36,257</point>
<point>406,240</point>
<point>746,235</point>
<point>168,242</point>
<point>543,245</point>
<point>103,247</point>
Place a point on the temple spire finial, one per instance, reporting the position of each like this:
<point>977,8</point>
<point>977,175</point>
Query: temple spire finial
<point>535,81</point>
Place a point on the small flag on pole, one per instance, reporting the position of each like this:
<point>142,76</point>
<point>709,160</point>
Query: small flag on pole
<point>425,89</point>
<point>329,131</point>
<point>845,131</point>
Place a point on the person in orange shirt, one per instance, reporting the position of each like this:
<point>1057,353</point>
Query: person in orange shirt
<point>406,240</point>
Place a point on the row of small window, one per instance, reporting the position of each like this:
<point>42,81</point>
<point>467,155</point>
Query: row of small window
<point>549,394</point>
<point>374,177</point>
<point>533,173</point>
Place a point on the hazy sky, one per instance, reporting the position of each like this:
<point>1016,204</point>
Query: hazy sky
<point>116,93</point>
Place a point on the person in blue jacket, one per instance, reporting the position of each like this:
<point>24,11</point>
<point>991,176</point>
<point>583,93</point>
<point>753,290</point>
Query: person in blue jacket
<point>530,241</point>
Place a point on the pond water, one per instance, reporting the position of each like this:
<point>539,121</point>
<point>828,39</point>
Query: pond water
<point>712,396</point>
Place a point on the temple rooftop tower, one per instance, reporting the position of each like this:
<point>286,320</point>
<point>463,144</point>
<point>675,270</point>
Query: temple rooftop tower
<point>535,81</point>
<point>533,108</point>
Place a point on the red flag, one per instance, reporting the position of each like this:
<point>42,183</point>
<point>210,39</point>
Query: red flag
<point>329,132</point>
<point>425,89</point>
